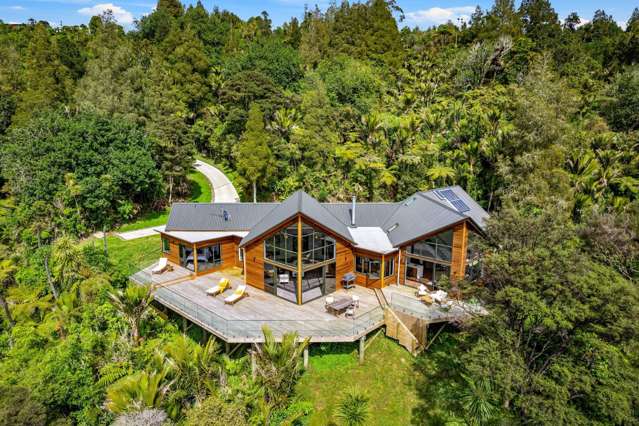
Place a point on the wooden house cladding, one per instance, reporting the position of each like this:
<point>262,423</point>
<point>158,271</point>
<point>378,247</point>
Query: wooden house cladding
<point>223,253</point>
<point>301,249</point>
<point>375,270</point>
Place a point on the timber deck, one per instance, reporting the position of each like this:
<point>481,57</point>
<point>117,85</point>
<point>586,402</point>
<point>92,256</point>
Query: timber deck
<point>242,322</point>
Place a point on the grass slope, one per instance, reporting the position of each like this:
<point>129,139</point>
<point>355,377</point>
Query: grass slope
<point>200,193</point>
<point>130,256</point>
<point>387,376</point>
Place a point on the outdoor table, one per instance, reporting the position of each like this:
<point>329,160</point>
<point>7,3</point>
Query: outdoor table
<point>339,306</point>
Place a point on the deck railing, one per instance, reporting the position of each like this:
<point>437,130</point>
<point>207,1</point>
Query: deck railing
<point>453,311</point>
<point>251,330</point>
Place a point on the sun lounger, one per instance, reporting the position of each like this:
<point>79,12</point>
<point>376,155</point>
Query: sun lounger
<point>220,288</point>
<point>426,299</point>
<point>439,296</point>
<point>162,266</point>
<point>237,295</point>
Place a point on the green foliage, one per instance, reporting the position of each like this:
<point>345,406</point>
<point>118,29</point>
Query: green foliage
<point>253,154</point>
<point>87,164</point>
<point>19,409</point>
<point>215,411</point>
<point>621,109</point>
<point>353,408</point>
<point>535,118</point>
<point>279,365</point>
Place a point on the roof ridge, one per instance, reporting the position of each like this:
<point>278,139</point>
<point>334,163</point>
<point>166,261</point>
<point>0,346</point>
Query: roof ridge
<point>399,205</point>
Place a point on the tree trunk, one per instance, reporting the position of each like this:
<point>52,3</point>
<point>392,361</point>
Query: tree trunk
<point>254,191</point>
<point>7,312</point>
<point>135,332</point>
<point>104,237</point>
<point>54,289</point>
<point>170,189</point>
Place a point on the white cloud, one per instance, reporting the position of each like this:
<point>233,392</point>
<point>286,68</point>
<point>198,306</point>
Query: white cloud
<point>16,7</point>
<point>120,14</point>
<point>440,15</point>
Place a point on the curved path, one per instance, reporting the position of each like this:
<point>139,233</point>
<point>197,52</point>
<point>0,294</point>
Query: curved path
<point>223,192</point>
<point>223,189</point>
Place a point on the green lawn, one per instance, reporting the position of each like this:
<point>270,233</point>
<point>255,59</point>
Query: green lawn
<point>130,256</point>
<point>200,193</point>
<point>387,376</point>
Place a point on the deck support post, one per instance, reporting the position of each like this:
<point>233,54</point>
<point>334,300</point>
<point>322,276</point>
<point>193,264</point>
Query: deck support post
<point>362,347</point>
<point>306,358</point>
<point>253,364</point>
<point>227,347</point>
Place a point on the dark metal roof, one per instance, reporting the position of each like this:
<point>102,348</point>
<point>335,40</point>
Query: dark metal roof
<point>420,214</point>
<point>299,202</point>
<point>210,216</point>
<point>416,216</point>
<point>366,214</point>
<point>476,212</point>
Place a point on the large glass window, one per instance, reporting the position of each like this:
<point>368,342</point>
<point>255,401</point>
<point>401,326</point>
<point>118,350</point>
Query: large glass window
<point>365,265</point>
<point>209,257</point>
<point>389,267</point>
<point>166,247</point>
<point>438,247</point>
<point>282,247</point>
<point>317,247</point>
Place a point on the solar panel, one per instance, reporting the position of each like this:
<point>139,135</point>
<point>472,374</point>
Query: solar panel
<point>454,200</point>
<point>460,206</point>
<point>449,194</point>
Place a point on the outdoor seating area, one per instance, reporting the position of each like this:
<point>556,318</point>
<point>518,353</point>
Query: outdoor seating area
<point>220,303</point>
<point>343,305</point>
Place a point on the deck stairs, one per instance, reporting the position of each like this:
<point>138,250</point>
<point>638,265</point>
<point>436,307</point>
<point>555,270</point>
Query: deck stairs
<point>404,328</point>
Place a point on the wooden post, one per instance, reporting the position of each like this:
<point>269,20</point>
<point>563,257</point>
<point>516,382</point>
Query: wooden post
<point>253,364</point>
<point>244,259</point>
<point>195,259</point>
<point>306,358</point>
<point>399,263</point>
<point>362,346</point>
<point>299,260</point>
<point>458,256</point>
<point>382,272</point>
<point>227,347</point>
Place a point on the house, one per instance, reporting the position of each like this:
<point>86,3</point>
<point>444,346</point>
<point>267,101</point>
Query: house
<point>300,249</point>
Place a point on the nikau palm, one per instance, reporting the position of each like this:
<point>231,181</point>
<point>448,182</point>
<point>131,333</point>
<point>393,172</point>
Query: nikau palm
<point>132,303</point>
<point>278,364</point>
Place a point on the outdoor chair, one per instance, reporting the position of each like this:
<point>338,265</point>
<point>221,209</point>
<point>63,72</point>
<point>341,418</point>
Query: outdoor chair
<point>162,266</point>
<point>237,295</point>
<point>355,299</point>
<point>422,290</point>
<point>220,288</point>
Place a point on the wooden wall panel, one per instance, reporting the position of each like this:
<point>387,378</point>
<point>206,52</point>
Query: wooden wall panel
<point>402,267</point>
<point>173,255</point>
<point>228,248</point>
<point>344,261</point>
<point>254,259</point>
<point>460,243</point>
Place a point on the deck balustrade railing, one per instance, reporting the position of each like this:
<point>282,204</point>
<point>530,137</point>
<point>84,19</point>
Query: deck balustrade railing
<point>252,329</point>
<point>448,311</point>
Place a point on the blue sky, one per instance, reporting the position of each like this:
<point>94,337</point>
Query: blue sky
<point>418,13</point>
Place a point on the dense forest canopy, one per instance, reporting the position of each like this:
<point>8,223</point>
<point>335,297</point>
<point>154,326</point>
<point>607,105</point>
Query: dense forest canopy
<point>537,118</point>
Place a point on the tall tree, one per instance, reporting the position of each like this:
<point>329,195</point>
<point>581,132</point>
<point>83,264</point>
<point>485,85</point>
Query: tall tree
<point>46,80</point>
<point>253,153</point>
